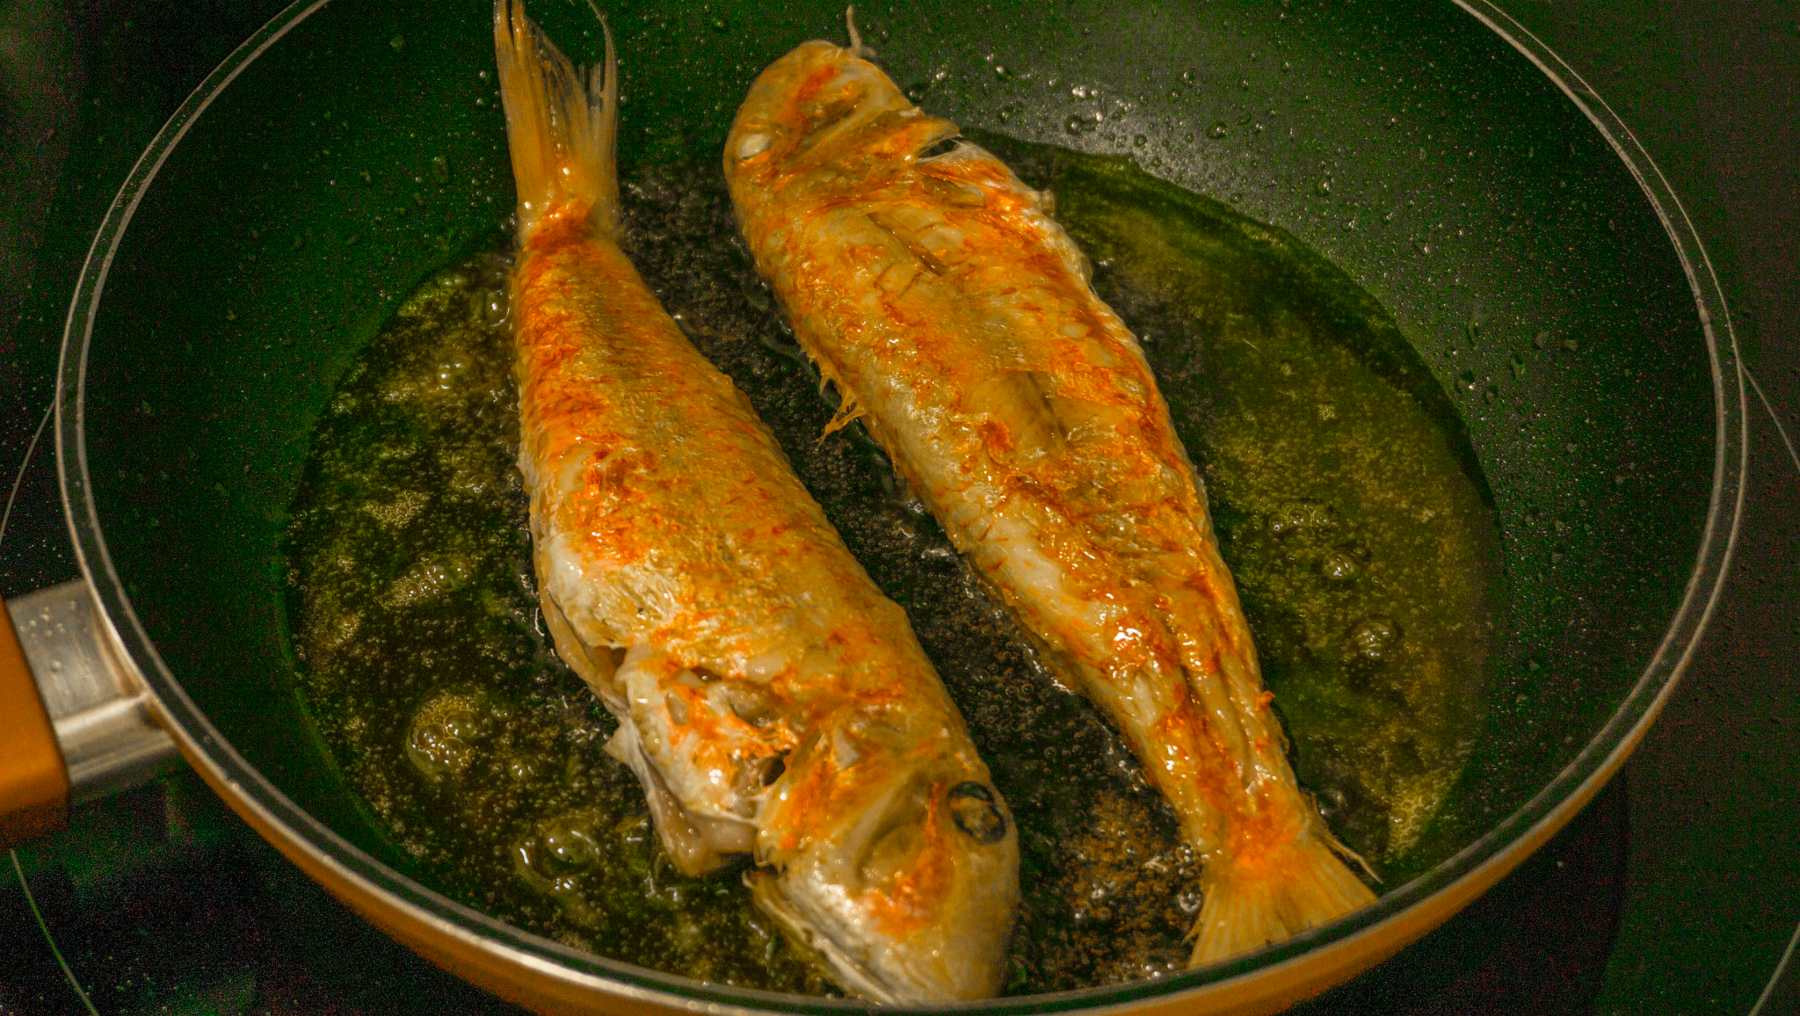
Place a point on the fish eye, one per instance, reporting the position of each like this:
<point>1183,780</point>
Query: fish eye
<point>975,811</point>
<point>752,145</point>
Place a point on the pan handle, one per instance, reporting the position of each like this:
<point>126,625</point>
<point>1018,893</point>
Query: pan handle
<point>34,782</point>
<point>74,724</point>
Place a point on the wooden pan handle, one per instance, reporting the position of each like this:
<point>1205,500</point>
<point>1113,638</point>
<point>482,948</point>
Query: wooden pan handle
<point>34,782</point>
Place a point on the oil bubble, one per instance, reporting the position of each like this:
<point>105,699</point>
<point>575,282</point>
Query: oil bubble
<point>567,843</point>
<point>442,737</point>
<point>1339,567</point>
<point>1374,639</point>
<point>1081,123</point>
<point>1301,516</point>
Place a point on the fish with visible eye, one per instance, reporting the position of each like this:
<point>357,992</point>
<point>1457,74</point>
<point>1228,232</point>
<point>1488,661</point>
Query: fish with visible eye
<point>770,699</point>
<point>954,317</point>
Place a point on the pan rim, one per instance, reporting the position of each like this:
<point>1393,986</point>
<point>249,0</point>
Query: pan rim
<point>1486,859</point>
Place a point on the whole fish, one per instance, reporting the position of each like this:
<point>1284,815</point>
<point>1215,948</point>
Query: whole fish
<point>769,698</point>
<point>955,318</point>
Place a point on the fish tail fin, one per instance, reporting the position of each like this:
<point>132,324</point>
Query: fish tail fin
<point>1253,901</point>
<point>561,123</point>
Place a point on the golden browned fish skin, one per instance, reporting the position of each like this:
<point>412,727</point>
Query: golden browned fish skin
<point>956,320</point>
<point>770,699</point>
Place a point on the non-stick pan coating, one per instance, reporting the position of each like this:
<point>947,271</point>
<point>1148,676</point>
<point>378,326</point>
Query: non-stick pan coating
<point>362,147</point>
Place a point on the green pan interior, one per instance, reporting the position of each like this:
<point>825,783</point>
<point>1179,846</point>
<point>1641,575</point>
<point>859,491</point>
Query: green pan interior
<point>1442,171</point>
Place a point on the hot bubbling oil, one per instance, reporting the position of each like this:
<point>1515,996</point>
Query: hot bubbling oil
<point>1344,503</point>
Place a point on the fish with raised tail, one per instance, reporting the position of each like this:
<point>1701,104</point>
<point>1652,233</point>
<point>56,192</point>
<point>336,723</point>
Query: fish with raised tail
<point>955,318</point>
<point>770,699</point>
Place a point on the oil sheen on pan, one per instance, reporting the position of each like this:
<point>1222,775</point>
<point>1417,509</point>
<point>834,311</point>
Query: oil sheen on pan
<point>1342,493</point>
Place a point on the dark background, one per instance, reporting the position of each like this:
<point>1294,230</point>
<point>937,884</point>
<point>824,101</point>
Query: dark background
<point>1677,891</point>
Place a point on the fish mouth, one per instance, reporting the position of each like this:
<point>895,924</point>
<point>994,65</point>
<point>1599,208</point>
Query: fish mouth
<point>851,967</point>
<point>962,962</point>
<point>913,903</point>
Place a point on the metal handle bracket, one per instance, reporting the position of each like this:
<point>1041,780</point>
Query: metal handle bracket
<point>101,714</point>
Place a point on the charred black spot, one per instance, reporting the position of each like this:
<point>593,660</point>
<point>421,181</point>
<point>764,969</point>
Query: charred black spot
<point>776,767</point>
<point>942,146</point>
<point>973,808</point>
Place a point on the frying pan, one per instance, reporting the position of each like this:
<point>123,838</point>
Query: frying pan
<point>1447,162</point>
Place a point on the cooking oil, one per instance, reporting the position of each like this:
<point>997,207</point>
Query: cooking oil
<point>1344,495</point>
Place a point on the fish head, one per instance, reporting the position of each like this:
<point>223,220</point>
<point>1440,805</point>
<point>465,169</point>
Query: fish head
<point>822,104</point>
<point>895,863</point>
